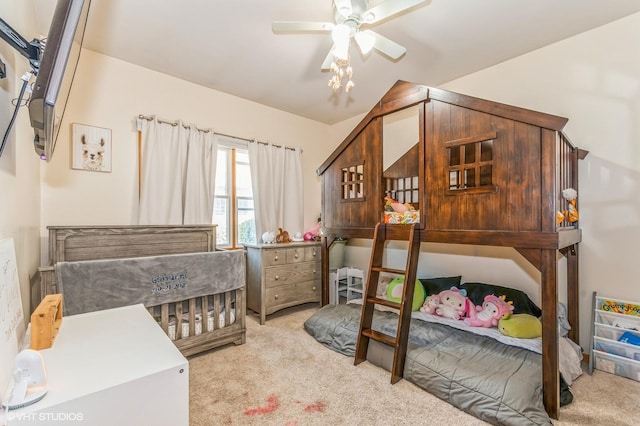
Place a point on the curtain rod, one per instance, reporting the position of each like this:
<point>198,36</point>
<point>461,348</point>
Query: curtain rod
<point>175,123</point>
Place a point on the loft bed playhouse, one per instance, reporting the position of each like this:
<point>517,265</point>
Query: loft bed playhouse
<point>193,291</point>
<point>481,173</point>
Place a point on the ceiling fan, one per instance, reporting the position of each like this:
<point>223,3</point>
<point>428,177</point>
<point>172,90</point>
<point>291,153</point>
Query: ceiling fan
<point>352,17</point>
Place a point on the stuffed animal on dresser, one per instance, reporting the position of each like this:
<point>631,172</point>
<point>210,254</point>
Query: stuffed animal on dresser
<point>283,236</point>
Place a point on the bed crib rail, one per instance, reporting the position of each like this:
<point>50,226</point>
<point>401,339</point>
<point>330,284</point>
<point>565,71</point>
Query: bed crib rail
<point>190,326</point>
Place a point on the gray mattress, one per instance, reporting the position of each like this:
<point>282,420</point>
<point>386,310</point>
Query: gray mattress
<point>454,365</point>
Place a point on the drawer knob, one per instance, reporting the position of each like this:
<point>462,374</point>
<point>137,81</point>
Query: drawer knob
<point>314,288</point>
<point>296,255</point>
<point>275,258</point>
<point>314,252</point>
<point>276,278</point>
<point>276,296</point>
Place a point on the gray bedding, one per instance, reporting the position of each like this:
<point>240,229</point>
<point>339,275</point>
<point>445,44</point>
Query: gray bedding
<point>497,383</point>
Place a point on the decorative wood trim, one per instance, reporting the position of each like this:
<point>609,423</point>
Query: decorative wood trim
<point>471,191</point>
<point>471,139</point>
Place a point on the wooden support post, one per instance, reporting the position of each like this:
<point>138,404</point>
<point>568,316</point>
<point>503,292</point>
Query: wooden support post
<point>550,359</point>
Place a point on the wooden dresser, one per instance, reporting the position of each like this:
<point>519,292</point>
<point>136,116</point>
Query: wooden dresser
<point>282,275</point>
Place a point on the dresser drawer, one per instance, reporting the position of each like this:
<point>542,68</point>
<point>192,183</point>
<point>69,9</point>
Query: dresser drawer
<point>284,256</point>
<point>295,255</point>
<point>312,253</point>
<point>296,272</point>
<point>274,257</point>
<point>280,297</point>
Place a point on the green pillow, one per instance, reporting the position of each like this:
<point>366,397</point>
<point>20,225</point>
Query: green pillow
<point>394,292</point>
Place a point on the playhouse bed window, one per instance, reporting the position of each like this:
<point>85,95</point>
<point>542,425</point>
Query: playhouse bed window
<point>471,163</point>
<point>353,182</point>
<point>404,189</point>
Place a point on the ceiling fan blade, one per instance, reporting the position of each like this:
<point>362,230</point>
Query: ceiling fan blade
<point>326,65</point>
<point>386,46</point>
<point>365,41</point>
<point>388,9</point>
<point>278,27</point>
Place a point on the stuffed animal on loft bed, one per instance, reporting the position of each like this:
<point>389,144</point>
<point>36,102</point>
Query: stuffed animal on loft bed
<point>391,205</point>
<point>571,213</point>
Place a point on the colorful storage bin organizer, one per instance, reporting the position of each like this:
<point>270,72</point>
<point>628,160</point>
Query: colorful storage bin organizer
<point>615,344</point>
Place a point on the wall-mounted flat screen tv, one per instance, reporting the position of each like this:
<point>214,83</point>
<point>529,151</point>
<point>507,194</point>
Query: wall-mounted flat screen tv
<point>57,68</point>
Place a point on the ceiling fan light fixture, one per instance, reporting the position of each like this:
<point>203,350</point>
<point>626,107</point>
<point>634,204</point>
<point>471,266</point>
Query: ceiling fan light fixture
<point>348,16</point>
<point>341,35</point>
<point>342,72</point>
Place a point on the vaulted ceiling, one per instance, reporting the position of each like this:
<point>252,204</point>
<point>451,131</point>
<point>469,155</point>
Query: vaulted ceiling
<point>229,46</point>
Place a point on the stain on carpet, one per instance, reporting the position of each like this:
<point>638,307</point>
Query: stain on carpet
<point>272,405</point>
<point>318,407</point>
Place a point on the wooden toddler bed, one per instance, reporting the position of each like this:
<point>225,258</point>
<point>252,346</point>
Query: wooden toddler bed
<point>196,323</point>
<point>478,172</point>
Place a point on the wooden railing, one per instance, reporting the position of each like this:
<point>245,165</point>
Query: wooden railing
<point>567,156</point>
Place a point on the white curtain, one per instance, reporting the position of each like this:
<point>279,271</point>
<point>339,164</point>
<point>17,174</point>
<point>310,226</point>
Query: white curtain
<point>276,180</point>
<point>178,173</point>
<point>199,189</point>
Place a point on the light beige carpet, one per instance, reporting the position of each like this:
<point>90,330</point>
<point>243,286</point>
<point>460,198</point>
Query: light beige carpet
<point>282,376</point>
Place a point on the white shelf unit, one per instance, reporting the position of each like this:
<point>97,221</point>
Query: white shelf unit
<point>347,281</point>
<point>615,337</point>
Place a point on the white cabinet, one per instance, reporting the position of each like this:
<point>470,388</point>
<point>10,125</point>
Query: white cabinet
<point>615,346</point>
<point>111,367</point>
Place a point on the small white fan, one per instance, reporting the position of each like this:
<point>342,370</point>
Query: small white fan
<point>28,384</point>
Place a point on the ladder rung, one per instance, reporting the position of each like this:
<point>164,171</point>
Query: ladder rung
<point>383,302</point>
<point>380,337</point>
<point>392,270</point>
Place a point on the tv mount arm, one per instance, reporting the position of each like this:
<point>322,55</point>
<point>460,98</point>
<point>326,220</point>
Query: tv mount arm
<point>31,50</point>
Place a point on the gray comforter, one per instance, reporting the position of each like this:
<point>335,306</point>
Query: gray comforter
<point>497,383</point>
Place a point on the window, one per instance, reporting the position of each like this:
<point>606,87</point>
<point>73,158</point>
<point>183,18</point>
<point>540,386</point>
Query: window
<point>471,164</point>
<point>352,182</point>
<point>403,190</point>
<point>233,205</point>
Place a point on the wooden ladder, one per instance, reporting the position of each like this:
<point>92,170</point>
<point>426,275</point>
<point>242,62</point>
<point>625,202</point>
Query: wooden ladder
<point>383,233</point>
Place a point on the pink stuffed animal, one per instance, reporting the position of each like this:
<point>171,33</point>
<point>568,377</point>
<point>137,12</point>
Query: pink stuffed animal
<point>452,303</point>
<point>493,308</point>
<point>430,304</point>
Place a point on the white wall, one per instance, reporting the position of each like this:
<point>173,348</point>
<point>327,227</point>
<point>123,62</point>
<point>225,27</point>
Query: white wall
<point>594,80</point>
<point>19,164</point>
<point>110,93</point>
